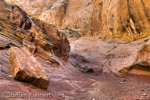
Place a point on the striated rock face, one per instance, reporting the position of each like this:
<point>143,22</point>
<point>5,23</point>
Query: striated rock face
<point>24,67</point>
<point>23,31</point>
<point>126,20</point>
<point>27,37</point>
<point>58,38</point>
<point>36,52</point>
<point>79,15</point>
<point>123,20</point>
<point>95,55</point>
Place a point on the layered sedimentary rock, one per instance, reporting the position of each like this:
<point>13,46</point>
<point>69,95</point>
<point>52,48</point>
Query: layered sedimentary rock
<point>22,30</point>
<point>24,67</point>
<point>26,38</point>
<point>58,38</point>
<point>31,33</point>
<point>126,20</point>
<point>79,15</point>
<point>38,51</point>
<point>111,57</point>
<point>123,20</point>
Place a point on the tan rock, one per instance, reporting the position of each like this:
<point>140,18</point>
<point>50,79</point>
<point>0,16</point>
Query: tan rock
<point>31,46</point>
<point>43,40</point>
<point>15,87</point>
<point>57,38</point>
<point>95,55</point>
<point>123,20</point>
<point>21,30</point>
<point>24,67</point>
<point>74,14</point>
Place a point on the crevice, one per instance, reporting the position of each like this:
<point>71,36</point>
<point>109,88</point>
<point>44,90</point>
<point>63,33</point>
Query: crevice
<point>140,67</point>
<point>145,11</point>
<point>90,70</point>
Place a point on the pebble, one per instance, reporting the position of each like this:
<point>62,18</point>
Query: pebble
<point>121,82</point>
<point>144,94</point>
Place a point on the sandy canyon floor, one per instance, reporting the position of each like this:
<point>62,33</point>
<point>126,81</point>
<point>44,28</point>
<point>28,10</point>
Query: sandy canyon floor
<point>133,87</point>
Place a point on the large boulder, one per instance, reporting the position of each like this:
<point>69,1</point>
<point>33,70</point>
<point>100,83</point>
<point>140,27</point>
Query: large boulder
<point>34,46</point>
<point>97,55</point>
<point>24,67</point>
<point>33,37</point>
<point>9,86</point>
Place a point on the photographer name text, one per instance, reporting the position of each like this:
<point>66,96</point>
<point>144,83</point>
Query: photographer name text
<point>23,95</point>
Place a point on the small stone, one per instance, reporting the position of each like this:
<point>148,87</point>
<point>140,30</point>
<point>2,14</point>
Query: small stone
<point>121,82</point>
<point>10,75</point>
<point>144,94</point>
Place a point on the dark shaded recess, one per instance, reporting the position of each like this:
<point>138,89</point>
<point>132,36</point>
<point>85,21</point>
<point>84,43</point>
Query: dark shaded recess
<point>128,20</point>
<point>13,8</point>
<point>28,26</point>
<point>90,70</point>
<point>139,29</point>
<point>101,3</point>
<point>123,29</point>
<point>22,22</point>
<point>3,48</point>
<point>32,40</point>
<point>130,14</point>
<point>43,28</point>
<point>65,7</point>
<point>111,29</point>
<point>31,80</point>
<point>146,40</point>
<point>140,67</point>
<point>35,48</point>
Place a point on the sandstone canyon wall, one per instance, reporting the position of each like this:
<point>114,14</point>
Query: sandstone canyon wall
<point>25,37</point>
<point>35,53</point>
<point>80,15</point>
<point>121,20</point>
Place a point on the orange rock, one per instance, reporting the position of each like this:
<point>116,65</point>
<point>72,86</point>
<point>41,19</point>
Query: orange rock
<point>123,20</point>
<point>24,67</point>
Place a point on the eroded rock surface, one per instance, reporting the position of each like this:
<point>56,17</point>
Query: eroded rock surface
<point>24,67</point>
<point>10,86</point>
<point>95,55</point>
<point>123,20</point>
<point>78,15</point>
<point>34,46</point>
<point>19,29</point>
<point>40,38</point>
